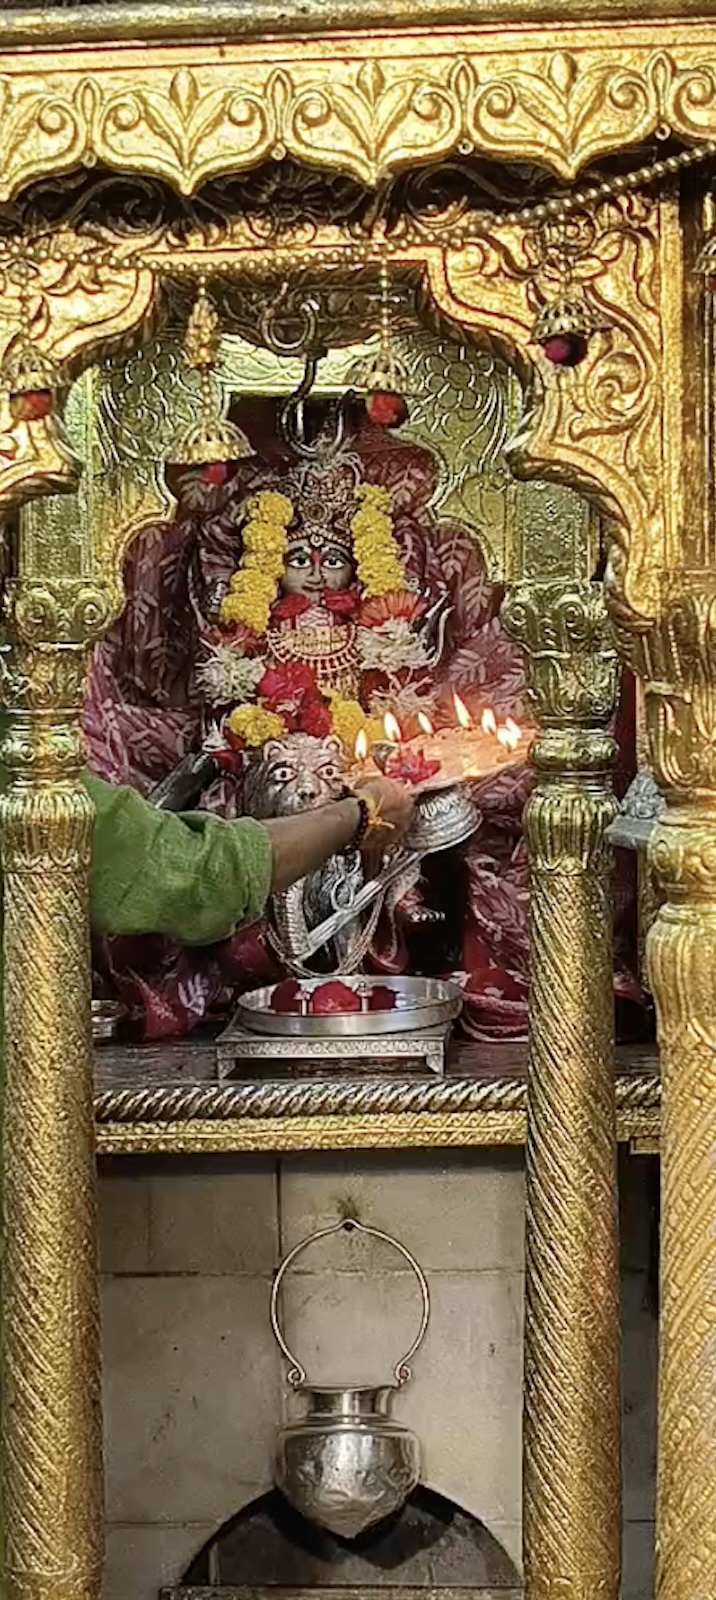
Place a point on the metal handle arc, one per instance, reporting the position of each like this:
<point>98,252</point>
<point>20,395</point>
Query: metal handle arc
<point>402,1371</point>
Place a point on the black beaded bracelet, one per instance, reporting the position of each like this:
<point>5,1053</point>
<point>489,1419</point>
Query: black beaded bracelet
<point>359,836</point>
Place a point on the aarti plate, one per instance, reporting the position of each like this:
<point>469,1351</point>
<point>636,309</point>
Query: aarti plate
<point>420,1003</point>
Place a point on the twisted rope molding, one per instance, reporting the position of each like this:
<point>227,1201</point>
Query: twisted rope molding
<point>380,1097</point>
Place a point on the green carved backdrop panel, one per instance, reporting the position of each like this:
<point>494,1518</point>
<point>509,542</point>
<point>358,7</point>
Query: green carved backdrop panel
<point>124,417</point>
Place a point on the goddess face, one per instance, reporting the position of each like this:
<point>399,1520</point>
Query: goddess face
<point>312,567</point>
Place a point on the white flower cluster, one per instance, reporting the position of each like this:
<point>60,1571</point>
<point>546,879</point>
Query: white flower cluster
<point>227,676</point>
<point>391,646</point>
<point>403,700</point>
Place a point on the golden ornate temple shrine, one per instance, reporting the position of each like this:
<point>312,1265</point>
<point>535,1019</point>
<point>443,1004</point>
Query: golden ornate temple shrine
<point>357,420</point>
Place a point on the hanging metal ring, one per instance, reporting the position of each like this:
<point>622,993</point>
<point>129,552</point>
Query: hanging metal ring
<point>402,1371</point>
<point>307,312</point>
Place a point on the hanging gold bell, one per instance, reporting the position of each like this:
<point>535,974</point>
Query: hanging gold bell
<point>385,384</point>
<point>211,442</point>
<point>563,328</point>
<point>31,379</point>
<point>347,1464</point>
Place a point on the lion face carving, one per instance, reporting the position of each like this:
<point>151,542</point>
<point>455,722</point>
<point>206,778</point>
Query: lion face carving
<point>293,774</point>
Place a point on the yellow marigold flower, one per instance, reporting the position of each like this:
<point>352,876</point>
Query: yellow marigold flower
<point>254,725</point>
<point>270,566</point>
<point>374,544</point>
<point>231,608</point>
<point>347,720</point>
<point>273,506</point>
<point>265,536</point>
<point>374,494</point>
<point>256,585</point>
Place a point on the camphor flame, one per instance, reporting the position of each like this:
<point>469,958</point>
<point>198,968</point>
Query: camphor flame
<point>461,712</point>
<point>488,720</point>
<point>424,723</point>
<point>361,745</point>
<point>392,728</point>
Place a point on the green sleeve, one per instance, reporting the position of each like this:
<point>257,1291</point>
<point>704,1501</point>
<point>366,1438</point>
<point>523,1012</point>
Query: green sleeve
<point>194,877</point>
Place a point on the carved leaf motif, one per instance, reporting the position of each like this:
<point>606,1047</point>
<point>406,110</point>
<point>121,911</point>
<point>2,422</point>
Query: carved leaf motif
<point>562,71</point>
<point>87,100</point>
<point>279,94</point>
<point>662,73</point>
<point>463,82</point>
<point>371,81</point>
<point>184,92</point>
<point>159,118</point>
<point>562,107</point>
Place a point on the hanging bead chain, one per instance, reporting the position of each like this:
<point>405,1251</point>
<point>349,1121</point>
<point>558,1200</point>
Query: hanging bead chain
<point>386,342</point>
<point>558,208</point>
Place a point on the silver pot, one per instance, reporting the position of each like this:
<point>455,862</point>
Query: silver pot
<point>347,1464</point>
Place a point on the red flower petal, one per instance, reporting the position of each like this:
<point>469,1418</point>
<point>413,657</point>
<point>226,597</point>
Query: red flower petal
<point>289,606</point>
<point>315,719</point>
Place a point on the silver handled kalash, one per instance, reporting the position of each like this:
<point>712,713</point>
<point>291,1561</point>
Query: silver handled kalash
<point>347,1464</point>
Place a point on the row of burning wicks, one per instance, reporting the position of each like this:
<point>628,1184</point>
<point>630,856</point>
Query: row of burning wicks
<point>468,750</point>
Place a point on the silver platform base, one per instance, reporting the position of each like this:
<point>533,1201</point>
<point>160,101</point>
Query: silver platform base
<point>241,1054</point>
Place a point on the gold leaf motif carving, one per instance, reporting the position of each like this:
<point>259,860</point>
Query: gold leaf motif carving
<point>189,117</point>
<point>598,428</point>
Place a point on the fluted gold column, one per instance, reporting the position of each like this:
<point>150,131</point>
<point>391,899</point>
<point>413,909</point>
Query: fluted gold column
<point>572,1466</point>
<point>681,959</point>
<point>51,1420</point>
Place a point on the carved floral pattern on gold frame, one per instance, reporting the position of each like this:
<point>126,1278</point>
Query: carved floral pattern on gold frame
<point>561,97</point>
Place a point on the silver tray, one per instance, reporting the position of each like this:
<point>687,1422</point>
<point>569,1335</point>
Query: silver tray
<point>422,1003</point>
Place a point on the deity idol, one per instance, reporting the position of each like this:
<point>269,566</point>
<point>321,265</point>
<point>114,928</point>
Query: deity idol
<point>318,623</point>
<point>283,610</point>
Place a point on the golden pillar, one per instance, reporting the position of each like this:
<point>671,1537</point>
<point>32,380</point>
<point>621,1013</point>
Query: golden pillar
<point>572,1467</point>
<point>62,565</point>
<point>51,1419</point>
<point>680,670</point>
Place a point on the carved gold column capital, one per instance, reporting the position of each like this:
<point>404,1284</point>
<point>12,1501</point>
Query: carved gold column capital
<point>42,673</point>
<point>571,664</point>
<point>572,1483</point>
<point>677,660</point>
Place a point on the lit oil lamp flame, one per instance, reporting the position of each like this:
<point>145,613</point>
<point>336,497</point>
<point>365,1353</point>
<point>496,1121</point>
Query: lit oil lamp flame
<point>488,720</point>
<point>504,738</point>
<point>391,726</point>
<point>461,712</point>
<point>514,729</point>
<point>424,723</point>
<point>361,745</point>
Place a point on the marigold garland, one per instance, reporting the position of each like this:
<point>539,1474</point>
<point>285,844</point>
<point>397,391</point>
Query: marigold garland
<point>348,719</point>
<point>255,725</point>
<point>252,590</point>
<point>375,547</point>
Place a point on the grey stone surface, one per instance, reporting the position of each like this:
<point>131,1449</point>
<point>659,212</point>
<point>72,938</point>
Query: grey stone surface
<point>459,1210</point>
<point>191,1396</point>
